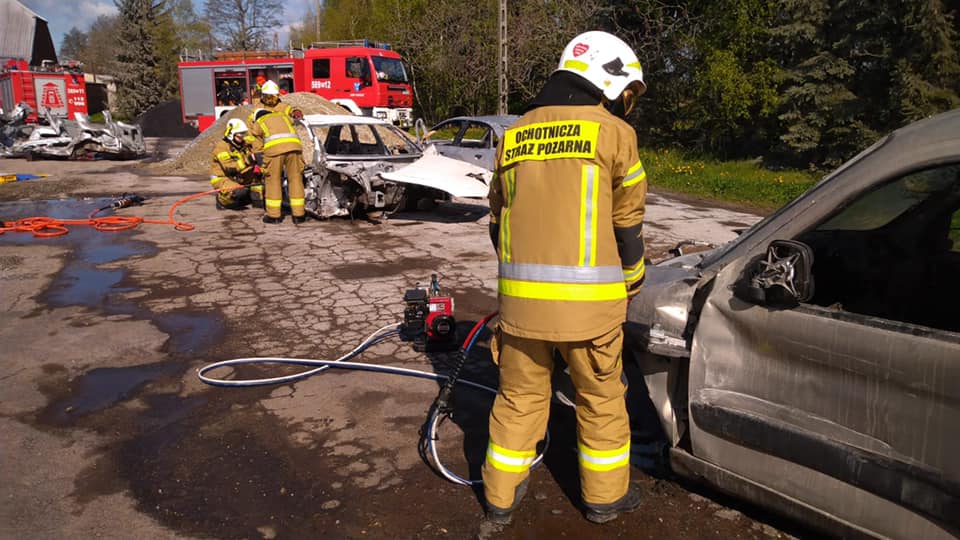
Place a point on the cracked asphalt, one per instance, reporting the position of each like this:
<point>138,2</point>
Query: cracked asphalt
<point>107,432</point>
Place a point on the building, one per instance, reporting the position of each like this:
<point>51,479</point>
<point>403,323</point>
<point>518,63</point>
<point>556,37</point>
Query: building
<point>24,35</point>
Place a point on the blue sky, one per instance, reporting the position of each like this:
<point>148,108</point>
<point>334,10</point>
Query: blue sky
<point>63,15</point>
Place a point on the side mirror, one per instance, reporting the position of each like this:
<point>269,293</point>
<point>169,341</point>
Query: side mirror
<point>783,278</point>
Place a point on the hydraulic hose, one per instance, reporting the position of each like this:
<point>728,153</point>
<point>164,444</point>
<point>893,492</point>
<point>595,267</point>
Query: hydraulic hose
<point>439,411</point>
<point>48,227</point>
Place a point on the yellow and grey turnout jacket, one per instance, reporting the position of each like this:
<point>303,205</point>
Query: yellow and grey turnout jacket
<point>566,212</point>
<point>275,132</point>
<point>231,163</point>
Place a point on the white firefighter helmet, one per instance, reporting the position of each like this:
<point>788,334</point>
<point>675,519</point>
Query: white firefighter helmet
<point>270,88</point>
<point>234,127</point>
<point>604,60</point>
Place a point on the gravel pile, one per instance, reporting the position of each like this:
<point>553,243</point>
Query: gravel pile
<point>164,120</point>
<point>195,157</point>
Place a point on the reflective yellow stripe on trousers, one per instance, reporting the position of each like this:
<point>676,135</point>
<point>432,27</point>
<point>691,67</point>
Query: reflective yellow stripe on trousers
<point>514,461</point>
<point>604,460</point>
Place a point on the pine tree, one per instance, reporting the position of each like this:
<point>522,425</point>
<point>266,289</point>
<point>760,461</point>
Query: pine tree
<point>925,76</point>
<point>820,116</point>
<point>142,78</point>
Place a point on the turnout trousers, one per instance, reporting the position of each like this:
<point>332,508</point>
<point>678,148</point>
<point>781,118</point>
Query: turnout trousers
<point>518,420</point>
<point>292,162</point>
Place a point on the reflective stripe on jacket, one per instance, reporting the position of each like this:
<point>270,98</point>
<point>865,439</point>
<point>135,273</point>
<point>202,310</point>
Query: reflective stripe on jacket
<point>568,198</point>
<point>229,162</point>
<point>276,133</point>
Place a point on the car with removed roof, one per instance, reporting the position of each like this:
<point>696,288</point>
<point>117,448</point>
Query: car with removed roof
<point>358,164</point>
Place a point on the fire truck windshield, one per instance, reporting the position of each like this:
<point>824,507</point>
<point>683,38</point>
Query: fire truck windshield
<point>389,70</point>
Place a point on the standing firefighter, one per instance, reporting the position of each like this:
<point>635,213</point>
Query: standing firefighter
<point>234,171</point>
<point>282,152</point>
<point>566,213</point>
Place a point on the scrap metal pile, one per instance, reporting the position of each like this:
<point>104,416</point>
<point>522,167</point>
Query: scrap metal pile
<point>68,139</point>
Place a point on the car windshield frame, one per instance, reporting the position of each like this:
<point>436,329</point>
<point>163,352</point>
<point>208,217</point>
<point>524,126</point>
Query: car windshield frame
<point>391,142</point>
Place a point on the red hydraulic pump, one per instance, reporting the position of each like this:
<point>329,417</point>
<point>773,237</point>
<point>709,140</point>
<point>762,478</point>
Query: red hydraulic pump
<point>428,318</point>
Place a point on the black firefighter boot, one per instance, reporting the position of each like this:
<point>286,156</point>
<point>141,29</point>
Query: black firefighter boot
<point>602,513</point>
<point>503,516</point>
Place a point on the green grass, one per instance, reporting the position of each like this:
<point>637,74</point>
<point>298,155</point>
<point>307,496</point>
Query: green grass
<point>744,182</point>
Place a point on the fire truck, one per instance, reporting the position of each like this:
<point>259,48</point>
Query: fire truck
<point>59,89</point>
<point>365,78</point>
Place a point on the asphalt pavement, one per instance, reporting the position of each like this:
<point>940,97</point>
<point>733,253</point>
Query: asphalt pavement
<point>107,431</point>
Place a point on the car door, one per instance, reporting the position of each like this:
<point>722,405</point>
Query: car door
<point>848,402</point>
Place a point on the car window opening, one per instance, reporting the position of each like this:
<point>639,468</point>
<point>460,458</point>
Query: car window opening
<point>894,253</point>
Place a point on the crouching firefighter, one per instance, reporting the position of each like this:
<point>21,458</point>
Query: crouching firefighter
<point>234,170</point>
<point>566,215</point>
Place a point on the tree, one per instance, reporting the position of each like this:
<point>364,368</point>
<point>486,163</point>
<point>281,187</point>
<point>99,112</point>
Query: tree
<point>100,54</point>
<point>820,115</point>
<point>194,33</point>
<point>925,76</point>
<point>73,44</point>
<point>142,68</point>
<point>243,25</point>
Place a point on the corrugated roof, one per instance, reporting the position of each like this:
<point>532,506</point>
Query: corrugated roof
<point>18,29</point>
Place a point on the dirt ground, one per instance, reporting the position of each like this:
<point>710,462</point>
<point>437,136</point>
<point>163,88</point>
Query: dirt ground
<point>107,432</point>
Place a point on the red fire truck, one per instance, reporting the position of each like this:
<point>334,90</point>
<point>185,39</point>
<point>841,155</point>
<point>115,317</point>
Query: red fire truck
<point>364,77</point>
<point>61,89</point>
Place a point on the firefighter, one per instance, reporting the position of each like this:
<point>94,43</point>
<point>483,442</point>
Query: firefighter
<point>566,215</point>
<point>273,127</point>
<point>234,171</point>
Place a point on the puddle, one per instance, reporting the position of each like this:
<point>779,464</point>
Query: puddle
<point>82,282</point>
<point>101,388</point>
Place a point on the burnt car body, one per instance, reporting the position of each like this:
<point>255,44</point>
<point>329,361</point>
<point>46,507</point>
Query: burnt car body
<point>366,164</point>
<point>78,138</point>
<point>14,126</point>
<point>472,139</point>
<point>812,365</point>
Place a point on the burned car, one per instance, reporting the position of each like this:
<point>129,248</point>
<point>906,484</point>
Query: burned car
<point>78,138</point>
<point>14,126</point>
<point>812,365</point>
<point>364,164</point>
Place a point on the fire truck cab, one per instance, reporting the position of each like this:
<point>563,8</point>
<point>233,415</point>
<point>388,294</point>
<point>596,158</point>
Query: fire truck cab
<point>363,77</point>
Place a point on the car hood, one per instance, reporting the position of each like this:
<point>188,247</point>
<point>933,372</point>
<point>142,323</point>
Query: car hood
<point>659,316</point>
<point>458,178</point>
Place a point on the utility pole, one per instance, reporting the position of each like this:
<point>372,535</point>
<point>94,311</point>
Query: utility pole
<point>502,60</point>
<point>317,26</point>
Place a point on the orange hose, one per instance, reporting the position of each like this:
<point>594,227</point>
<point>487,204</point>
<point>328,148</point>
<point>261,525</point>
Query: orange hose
<point>48,227</point>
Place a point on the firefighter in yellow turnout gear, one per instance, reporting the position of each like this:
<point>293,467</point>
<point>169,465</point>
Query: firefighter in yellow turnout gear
<point>273,127</point>
<point>233,170</point>
<point>566,216</point>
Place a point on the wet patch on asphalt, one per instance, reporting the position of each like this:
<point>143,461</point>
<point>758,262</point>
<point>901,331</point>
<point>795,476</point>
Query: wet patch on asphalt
<point>101,388</point>
<point>383,269</point>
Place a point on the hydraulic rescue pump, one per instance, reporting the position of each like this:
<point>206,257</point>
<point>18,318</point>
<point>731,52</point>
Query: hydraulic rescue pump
<point>428,318</point>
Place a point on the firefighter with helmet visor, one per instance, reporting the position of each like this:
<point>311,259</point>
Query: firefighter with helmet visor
<point>566,217</point>
<point>273,127</point>
<point>233,170</point>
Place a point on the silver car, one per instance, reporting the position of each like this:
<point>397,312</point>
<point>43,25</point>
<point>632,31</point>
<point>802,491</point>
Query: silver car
<point>813,364</point>
<point>470,138</point>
